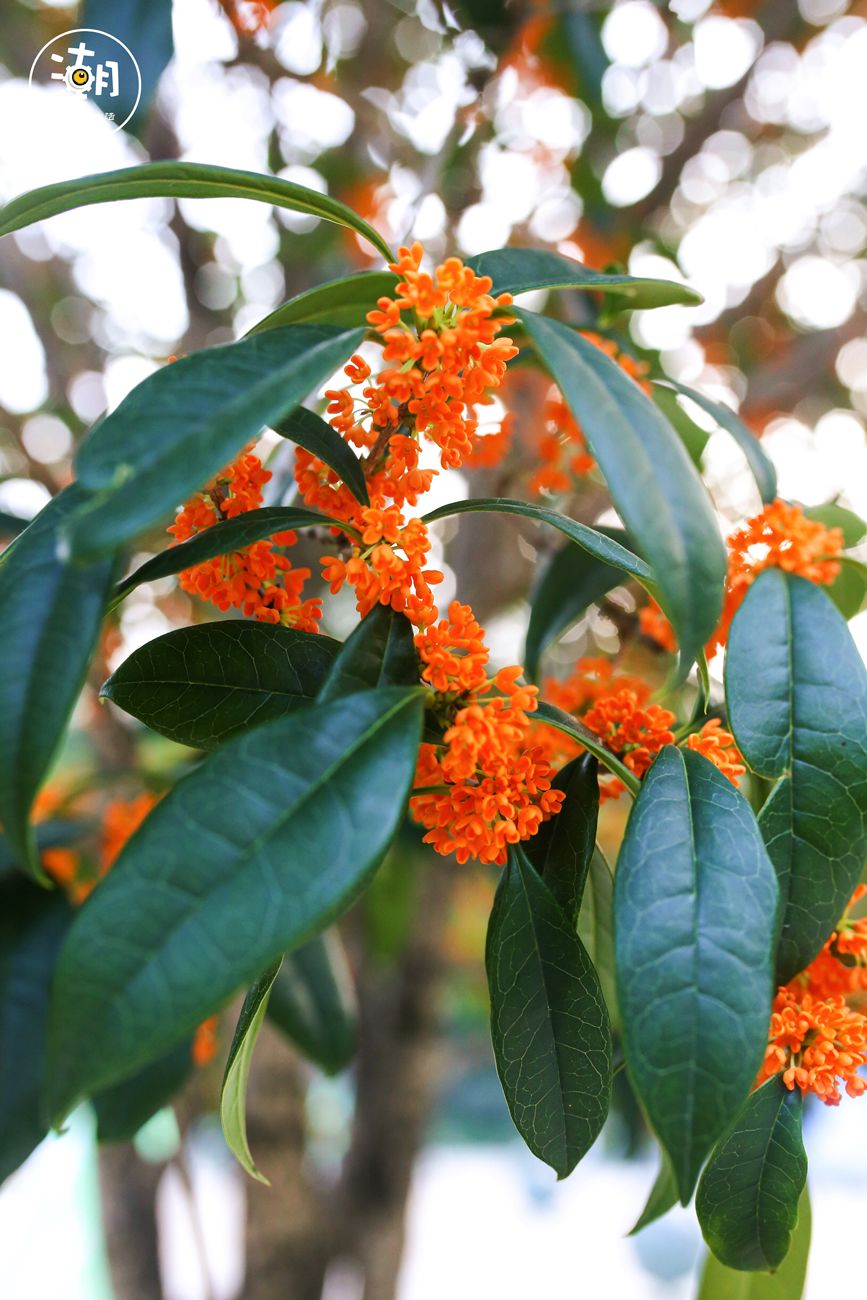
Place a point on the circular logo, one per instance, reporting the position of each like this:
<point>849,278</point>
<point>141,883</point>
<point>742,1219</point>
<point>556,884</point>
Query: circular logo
<point>94,65</point>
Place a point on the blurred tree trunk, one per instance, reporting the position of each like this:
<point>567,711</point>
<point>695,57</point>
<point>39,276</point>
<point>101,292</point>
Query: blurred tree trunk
<point>128,1186</point>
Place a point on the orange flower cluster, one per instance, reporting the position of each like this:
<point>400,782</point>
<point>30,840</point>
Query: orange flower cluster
<point>442,358</point>
<point>258,580</point>
<point>781,537</point>
<point>562,448</point>
<point>816,1039</point>
<point>615,706</point>
<point>719,746</point>
<point>490,788</point>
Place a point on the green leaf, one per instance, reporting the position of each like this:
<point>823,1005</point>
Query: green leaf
<point>517,270</point>
<point>313,1002</point>
<point>654,485</point>
<point>832,515</point>
<point>11,525</point>
<point>663,1197</point>
<point>253,852</point>
<point>592,540</point>
<point>379,652</point>
<point>233,1098</point>
<point>761,466</point>
<point>549,1025</point>
<point>747,1199</point>
<point>202,685</point>
<point>562,847</point>
<point>50,612</point>
<point>181,180</point>
<point>230,535</point>
<point>596,928</point>
<point>311,432</point>
<point>721,1283</point>
<point>849,589</point>
<point>56,833</point>
<point>796,689</point>
<point>342,302</point>
<point>695,901</point>
<point>569,582</point>
<point>32,927</point>
<point>571,726</point>
<point>183,423</point>
<point>145,28</point>
<point>694,438</point>
<point>124,1108</point>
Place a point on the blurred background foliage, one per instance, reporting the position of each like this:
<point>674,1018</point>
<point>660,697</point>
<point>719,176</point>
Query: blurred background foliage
<point>717,143</point>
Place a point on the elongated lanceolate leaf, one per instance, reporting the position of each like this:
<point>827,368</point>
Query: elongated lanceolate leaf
<point>562,847</point>
<point>183,423</point>
<point>574,727</point>
<point>761,466</point>
<point>663,1197</point>
<point>311,432</point>
<point>379,652</point>
<point>128,1105</point>
<point>596,928</point>
<point>50,614</point>
<point>695,900</point>
<point>517,270</point>
<point>747,1200</point>
<point>202,685</point>
<point>654,485</point>
<point>233,1097</point>
<point>549,1025</point>
<point>342,302</point>
<point>181,180</point>
<point>230,535</point>
<point>252,853</point>
<point>797,702</point>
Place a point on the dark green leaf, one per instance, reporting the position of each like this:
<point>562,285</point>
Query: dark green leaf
<point>50,613</point>
<point>721,1283</point>
<point>181,180</point>
<point>516,270</point>
<point>337,302</point>
<point>663,1197</point>
<point>592,540</point>
<point>201,685</point>
<point>254,851</point>
<point>32,927</point>
<point>574,727</point>
<point>230,535</point>
<point>552,1041</point>
<point>122,1109</point>
<point>11,525</point>
<point>570,581</point>
<point>183,423</point>
<point>313,1002</point>
<point>652,481</point>
<point>747,1199</point>
<point>562,847</point>
<point>760,464</point>
<point>695,901</point>
<point>596,928</point>
<point>797,703</point>
<point>145,28</point>
<point>379,652</point>
<point>694,438</point>
<point>233,1097</point>
<point>311,432</point>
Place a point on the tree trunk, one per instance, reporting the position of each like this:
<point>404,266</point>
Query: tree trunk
<point>128,1185</point>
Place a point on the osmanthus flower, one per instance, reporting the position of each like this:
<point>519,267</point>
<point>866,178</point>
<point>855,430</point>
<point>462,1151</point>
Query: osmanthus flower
<point>442,360</point>
<point>780,537</point>
<point>259,580</point>
<point>489,785</point>
<point>617,708</point>
<point>818,1031</point>
<point>562,448</point>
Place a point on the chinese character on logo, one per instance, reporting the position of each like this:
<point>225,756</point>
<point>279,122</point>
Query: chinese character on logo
<point>95,66</point>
